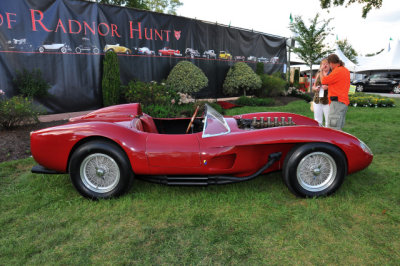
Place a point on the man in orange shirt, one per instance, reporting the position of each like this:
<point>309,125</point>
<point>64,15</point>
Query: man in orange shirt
<point>338,82</point>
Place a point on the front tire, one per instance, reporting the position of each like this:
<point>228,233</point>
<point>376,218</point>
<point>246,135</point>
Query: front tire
<point>360,88</point>
<point>396,89</point>
<point>100,170</point>
<point>314,169</point>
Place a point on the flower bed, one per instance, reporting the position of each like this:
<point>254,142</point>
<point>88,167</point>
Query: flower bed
<point>363,100</point>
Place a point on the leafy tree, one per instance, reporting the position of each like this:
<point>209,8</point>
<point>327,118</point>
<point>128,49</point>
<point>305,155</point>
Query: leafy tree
<point>241,77</point>
<point>348,50</point>
<point>111,82</point>
<point>310,47</point>
<point>162,6</point>
<point>185,77</point>
<point>369,4</point>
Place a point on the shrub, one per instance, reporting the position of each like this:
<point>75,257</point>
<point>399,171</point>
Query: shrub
<point>18,110</point>
<point>111,82</point>
<point>294,92</point>
<point>241,77</point>
<point>150,93</point>
<point>185,77</point>
<point>296,79</point>
<point>260,68</point>
<point>272,85</point>
<point>175,110</point>
<point>247,101</point>
<point>31,84</point>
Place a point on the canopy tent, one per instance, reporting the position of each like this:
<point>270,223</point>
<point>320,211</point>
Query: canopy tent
<point>348,64</point>
<point>389,59</point>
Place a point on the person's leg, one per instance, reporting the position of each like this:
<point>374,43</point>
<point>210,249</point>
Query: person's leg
<point>318,114</point>
<point>337,115</point>
<point>325,110</point>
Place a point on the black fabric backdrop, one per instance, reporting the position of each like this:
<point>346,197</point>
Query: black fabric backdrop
<point>33,34</point>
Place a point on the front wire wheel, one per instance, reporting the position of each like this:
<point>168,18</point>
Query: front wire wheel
<point>314,169</point>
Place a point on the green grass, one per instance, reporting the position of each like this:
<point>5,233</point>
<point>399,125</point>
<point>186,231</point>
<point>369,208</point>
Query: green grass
<point>44,220</point>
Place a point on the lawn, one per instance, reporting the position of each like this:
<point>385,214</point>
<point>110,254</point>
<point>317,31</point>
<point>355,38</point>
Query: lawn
<point>43,220</point>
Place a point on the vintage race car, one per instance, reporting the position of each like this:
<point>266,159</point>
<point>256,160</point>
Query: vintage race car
<point>104,150</point>
<point>168,51</point>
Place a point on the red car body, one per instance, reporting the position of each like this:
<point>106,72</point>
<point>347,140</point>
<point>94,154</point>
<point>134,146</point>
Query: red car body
<point>168,52</point>
<point>234,147</point>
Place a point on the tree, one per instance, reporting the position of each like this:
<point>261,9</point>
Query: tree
<point>111,82</point>
<point>310,47</point>
<point>185,77</point>
<point>348,50</point>
<point>369,4</point>
<point>241,77</point>
<point>163,6</point>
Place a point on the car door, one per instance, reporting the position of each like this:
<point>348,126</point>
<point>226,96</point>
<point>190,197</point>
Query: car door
<point>177,151</point>
<point>378,82</point>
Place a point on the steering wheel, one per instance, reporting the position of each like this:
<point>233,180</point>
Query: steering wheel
<point>191,120</point>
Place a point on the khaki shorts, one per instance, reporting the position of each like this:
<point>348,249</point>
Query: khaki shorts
<point>337,115</point>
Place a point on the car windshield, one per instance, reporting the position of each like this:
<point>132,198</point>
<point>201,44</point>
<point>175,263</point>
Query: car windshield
<point>214,124</point>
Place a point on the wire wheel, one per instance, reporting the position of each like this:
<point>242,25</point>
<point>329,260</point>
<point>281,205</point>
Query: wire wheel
<point>100,173</point>
<point>316,171</point>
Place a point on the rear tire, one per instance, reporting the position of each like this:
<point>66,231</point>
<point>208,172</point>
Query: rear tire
<point>396,89</point>
<point>360,88</point>
<point>314,169</point>
<point>100,170</point>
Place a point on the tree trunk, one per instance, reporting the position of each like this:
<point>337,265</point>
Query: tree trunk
<point>310,86</point>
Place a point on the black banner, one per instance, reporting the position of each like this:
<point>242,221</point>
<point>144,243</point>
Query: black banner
<point>67,39</point>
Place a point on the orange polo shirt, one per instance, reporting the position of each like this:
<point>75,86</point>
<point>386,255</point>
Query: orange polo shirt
<point>338,82</point>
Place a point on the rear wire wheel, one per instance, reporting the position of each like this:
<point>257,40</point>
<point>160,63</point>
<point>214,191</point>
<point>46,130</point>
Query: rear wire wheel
<point>314,169</point>
<point>100,169</point>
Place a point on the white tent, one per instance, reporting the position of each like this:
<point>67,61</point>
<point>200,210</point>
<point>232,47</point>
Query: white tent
<point>389,59</point>
<point>348,64</point>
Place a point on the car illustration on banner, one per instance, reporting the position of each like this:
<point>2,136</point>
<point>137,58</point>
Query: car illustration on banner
<point>224,55</point>
<point>169,52</point>
<point>145,51</point>
<point>117,49</point>
<point>210,54</point>
<point>86,47</point>
<point>19,45</point>
<point>55,47</point>
<point>252,58</point>
<point>240,58</point>
<point>192,53</point>
<point>274,60</point>
<point>262,60</point>
<point>105,150</point>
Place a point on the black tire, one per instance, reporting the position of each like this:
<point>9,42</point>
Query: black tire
<point>100,170</point>
<point>396,89</point>
<point>96,50</point>
<point>63,50</point>
<point>41,49</point>
<point>314,169</point>
<point>78,50</point>
<point>360,88</point>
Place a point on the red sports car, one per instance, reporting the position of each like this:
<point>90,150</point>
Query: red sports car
<point>169,52</point>
<point>104,150</point>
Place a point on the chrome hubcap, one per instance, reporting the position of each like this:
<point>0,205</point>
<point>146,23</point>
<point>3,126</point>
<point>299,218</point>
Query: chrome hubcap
<point>100,173</point>
<point>316,171</point>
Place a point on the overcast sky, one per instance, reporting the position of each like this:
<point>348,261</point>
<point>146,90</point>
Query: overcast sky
<point>365,35</point>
